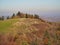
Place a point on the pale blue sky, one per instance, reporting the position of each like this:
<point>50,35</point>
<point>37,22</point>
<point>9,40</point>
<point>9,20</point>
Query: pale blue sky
<point>44,8</point>
<point>44,5</point>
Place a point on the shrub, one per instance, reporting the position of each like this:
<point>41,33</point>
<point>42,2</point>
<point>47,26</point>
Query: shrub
<point>8,17</point>
<point>24,43</point>
<point>58,28</point>
<point>18,14</point>
<point>26,15</point>
<point>2,17</point>
<point>42,20</point>
<point>46,38</point>
<point>13,15</point>
<point>36,16</point>
<point>34,42</point>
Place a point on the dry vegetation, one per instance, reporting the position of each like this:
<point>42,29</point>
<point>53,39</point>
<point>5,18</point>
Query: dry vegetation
<point>27,31</point>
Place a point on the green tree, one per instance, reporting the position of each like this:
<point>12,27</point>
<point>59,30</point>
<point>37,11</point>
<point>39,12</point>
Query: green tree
<point>18,14</point>
<point>26,15</point>
<point>2,17</point>
<point>13,15</point>
<point>7,17</point>
<point>36,16</point>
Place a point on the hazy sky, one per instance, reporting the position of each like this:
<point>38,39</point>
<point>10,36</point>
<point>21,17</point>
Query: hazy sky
<point>44,8</point>
<point>25,5</point>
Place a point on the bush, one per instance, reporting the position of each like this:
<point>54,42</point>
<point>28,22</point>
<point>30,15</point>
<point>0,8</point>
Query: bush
<point>2,17</point>
<point>46,38</point>
<point>58,28</point>
<point>18,14</point>
<point>26,15</point>
<point>34,42</point>
<point>24,43</point>
<point>36,16</point>
<point>13,15</point>
<point>8,17</point>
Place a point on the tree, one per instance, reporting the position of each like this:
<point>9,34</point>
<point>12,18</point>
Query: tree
<point>32,16</point>
<point>7,17</point>
<point>26,16</point>
<point>13,15</point>
<point>36,16</point>
<point>2,17</point>
<point>18,14</point>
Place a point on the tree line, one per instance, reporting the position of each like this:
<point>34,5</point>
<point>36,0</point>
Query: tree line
<point>22,15</point>
<point>2,18</point>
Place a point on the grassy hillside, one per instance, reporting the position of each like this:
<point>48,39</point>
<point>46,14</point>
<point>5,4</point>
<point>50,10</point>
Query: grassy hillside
<point>27,31</point>
<point>4,25</point>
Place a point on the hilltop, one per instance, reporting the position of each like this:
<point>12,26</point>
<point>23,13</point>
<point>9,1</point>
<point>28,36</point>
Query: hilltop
<point>27,31</point>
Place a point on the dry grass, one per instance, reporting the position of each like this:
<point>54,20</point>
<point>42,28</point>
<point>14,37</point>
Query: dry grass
<point>31,32</point>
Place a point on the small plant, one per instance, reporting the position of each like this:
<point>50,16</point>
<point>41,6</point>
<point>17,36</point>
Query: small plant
<point>34,42</point>
<point>24,43</point>
<point>58,28</point>
<point>57,39</point>
<point>46,38</point>
<point>50,23</point>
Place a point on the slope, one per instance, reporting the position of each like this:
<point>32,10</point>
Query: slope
<point>27,31</point>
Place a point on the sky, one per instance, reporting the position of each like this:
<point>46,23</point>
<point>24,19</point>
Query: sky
<point>26,5</point>
<point>44,8</point>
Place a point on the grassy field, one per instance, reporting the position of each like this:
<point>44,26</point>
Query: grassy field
<point>4,25</point>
